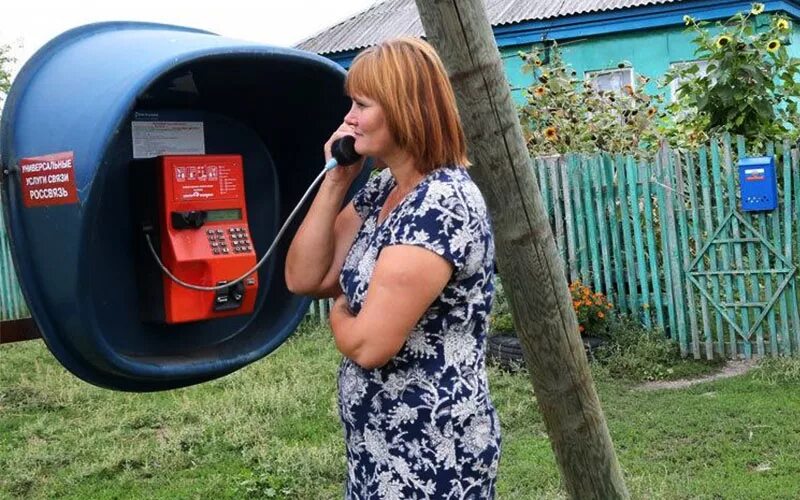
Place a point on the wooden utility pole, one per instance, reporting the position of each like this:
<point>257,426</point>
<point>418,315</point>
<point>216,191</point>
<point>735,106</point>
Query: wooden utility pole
<point>532,272</point>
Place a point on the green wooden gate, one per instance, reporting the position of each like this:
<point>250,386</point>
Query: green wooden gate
<point>663,238</point>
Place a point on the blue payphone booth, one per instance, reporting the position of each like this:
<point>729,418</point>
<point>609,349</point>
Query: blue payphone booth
<point>83,123</point>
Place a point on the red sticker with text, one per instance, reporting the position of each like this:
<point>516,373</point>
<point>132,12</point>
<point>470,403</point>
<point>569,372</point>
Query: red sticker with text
<point>48,180</point>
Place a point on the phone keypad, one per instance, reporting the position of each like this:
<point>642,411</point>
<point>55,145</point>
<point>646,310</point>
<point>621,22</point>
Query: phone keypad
<point>235,241</point>
<point>217,242</point>
<point>240,240</point>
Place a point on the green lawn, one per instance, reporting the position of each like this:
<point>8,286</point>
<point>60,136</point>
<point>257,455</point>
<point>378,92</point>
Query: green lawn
<point>272,431</point>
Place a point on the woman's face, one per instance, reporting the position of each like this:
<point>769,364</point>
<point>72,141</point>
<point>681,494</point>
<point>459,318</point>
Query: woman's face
<point>369,128</point>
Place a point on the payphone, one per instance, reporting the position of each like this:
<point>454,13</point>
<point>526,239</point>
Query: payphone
<point>105,307</point>
<point>202,232</point>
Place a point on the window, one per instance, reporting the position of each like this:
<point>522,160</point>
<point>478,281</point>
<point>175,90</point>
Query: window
<point>673,86</point>
<point>611,79</point>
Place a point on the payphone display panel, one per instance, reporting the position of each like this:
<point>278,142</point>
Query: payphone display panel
<point>205,237</point>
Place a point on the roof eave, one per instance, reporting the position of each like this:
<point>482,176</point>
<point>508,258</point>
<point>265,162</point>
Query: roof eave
<point>607,22</point>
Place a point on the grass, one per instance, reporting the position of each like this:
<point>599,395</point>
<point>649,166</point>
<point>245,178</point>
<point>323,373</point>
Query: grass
<point>271,430</point>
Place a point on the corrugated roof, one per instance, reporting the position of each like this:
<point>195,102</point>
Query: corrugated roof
<point>393,18</point>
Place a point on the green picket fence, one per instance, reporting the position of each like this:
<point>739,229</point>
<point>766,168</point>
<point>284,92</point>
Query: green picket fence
<point>664,239</point>
<point>12,303</point>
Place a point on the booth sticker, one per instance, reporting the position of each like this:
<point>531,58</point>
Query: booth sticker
<point>754,174</point>
<point>48,180</point>
<point>154,138</point>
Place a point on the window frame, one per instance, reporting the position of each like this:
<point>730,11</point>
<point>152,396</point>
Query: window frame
<point>589,76</point>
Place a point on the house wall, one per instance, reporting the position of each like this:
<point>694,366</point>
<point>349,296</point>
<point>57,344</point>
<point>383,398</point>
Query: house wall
<point>650,53</point>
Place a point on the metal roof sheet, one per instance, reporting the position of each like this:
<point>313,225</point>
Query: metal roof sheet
<point>393,18</point>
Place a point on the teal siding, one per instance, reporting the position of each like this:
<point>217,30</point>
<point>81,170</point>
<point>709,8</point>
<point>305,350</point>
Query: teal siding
<point>649,52</point>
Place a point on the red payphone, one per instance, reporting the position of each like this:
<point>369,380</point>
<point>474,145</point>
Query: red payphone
<point>205,238</point>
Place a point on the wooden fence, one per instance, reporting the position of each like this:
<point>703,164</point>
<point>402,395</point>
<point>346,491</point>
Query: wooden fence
<point>12,303</point>
<point>666,241</point>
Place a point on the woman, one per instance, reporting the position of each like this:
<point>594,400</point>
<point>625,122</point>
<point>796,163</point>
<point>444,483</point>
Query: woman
<point>409,261</point>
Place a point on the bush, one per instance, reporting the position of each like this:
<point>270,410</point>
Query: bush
<point>500,320</point>
<point>750,87</point>
<point>592,309</point>
<point>563,113</point>
<point>635,353</point>
<point>774,371</point>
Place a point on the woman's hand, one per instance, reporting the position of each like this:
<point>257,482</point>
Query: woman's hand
<point>341,174</point>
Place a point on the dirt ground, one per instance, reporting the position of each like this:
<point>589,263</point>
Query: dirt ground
<point>731,369</point>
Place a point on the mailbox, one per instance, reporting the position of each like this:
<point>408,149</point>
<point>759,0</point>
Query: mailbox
<point>93,127</point>
<point>758,184</point>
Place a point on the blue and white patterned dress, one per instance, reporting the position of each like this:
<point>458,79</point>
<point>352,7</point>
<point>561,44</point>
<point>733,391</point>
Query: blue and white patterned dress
<point>423,425</point>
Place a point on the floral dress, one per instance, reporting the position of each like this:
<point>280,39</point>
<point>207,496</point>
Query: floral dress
<point>423,425</point>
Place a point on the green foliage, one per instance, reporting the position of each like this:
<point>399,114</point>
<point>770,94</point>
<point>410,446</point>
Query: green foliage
<point>750,86</point>
<point>5,72</point>
<point>565,114</point>
<point>637,354</point>
<point>592,309</point>
<point>272,430</point>
<point>776,371</point>
<point>500,320</point>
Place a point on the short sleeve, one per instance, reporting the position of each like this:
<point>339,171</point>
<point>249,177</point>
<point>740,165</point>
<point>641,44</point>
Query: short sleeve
<point>366,197</point>
<point>438,220</point>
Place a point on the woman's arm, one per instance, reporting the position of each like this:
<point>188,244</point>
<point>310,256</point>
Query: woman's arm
<point>320,245</point>
<point>405,282</point>
<point>318,250</point>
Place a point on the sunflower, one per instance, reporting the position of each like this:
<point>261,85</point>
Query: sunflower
<point>688,20</point>
<point>723,41</point>
<point>757,9</point>
<point>773,45</point>
<point>551,134</point>
<point>539,91</point>
<point>782,24</point>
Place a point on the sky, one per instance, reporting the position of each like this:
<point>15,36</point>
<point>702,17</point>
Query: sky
<point>28,24</point>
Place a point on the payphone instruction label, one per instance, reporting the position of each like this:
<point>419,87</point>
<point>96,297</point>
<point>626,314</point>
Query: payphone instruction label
<point>155,138</point>
<point>203,179</point>
<point>48,180</point>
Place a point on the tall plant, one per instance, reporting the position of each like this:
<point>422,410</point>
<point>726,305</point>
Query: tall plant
<point>5,72</point>
<point>749,86</point>
<point>563,113</point>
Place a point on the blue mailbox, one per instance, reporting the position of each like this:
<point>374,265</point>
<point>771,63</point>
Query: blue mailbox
<point>758,184</point>
<point>84,112</point>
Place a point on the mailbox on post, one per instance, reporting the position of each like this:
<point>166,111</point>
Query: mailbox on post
<point>757,183</point>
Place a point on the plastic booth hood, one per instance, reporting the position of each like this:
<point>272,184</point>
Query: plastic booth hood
<point>76,256</point>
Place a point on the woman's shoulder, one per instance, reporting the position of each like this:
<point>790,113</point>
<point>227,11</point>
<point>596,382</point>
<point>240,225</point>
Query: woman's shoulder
<point>453,184</point>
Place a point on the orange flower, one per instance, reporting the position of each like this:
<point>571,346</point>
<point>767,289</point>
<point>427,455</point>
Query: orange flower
<point>600,314</point>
